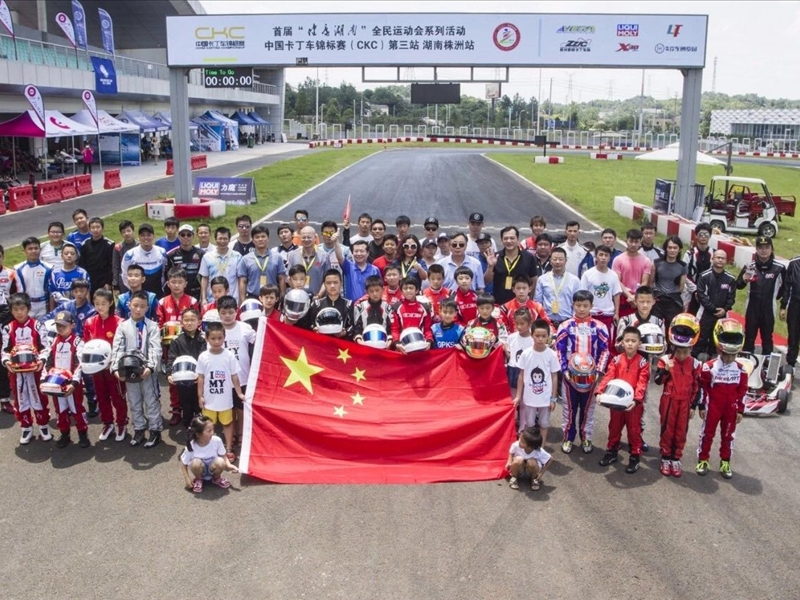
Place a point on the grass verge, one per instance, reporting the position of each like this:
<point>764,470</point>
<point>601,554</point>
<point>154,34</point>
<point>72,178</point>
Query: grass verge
<point>590,186</point>
<point>276,184</point>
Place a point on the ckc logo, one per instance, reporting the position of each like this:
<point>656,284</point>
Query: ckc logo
<point>674,30</point>
<point>211,33</point>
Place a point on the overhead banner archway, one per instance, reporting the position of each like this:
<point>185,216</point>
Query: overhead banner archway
<point>444,40</point>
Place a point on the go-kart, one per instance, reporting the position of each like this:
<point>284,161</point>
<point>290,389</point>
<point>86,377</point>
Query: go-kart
<point>769,384</point>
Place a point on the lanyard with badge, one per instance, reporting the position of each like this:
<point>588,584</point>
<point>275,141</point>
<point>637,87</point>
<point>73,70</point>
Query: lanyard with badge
<point>557,290</point>
<point>307,266</point>
<point>509,269</point>
<point>406,269</point>
<point>222,265</point>
<point>262,269</point>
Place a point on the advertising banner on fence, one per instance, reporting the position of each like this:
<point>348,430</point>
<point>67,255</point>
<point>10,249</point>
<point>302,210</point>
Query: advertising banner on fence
<point>662,196</point>
<point>472,39</point>
<point>236,190</point>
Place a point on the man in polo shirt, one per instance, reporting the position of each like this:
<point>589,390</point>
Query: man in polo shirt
<point>260,267</point>
<point>508,264</point>
<point>314,261</point>
<point>475,228</point>
<point>458,258</point>
<point>356,268</point>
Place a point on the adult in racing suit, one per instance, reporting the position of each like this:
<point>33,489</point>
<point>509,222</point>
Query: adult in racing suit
<point>765,277</point>
<point>790,308</point>
<point>697,260</point>
<point>716,291</point>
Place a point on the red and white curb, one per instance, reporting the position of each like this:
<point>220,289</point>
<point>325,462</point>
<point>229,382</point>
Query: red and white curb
<point>548,160</point>
<point>604,156</point>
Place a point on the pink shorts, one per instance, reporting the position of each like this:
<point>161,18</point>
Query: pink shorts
<point>533,415</point>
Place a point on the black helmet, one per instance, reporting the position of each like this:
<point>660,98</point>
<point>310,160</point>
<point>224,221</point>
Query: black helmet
<point>131,365</point>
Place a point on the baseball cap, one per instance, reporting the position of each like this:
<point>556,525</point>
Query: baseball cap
<point>186,227</point>
<point>431,221</point>
<point>484,237</point>
<point>476,218</point>
<point>64,317</point>
<point>429,242</point>
<point>442,236</point>
<point>763,240</point>
<point>146,227</point>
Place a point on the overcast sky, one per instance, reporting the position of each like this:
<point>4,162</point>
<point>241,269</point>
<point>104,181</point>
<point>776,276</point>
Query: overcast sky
<point>757,45</point>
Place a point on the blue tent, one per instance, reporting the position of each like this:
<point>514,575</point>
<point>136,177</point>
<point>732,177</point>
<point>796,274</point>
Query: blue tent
<point>243,119</point>
<point>217,132</point>
<point>145,123</point>
<point>257,118</point>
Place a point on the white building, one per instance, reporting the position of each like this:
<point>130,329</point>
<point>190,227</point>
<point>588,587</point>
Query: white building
<point>761,123</point>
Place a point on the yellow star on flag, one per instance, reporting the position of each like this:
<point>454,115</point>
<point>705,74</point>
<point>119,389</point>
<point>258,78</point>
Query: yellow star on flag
<point>344,355</point>
<point>359,374</point>
<point>358,399</point>
<point>340,412</point>
<point>301,371</point>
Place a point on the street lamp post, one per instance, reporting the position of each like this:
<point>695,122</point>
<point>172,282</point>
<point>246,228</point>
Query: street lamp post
<point>519,121</point>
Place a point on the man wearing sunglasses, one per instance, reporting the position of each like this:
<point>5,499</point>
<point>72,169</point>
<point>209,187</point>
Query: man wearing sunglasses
<point>458,258</point>
<point>431,225</point>
<point>300,221</point>
<point>188,257</point>
<point>244,244</point>
<point>698,261</point>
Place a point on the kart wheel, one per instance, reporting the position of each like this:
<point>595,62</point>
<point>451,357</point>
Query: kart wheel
<point>767,230</point>
<point>783,401</point>
<point>717,224</point>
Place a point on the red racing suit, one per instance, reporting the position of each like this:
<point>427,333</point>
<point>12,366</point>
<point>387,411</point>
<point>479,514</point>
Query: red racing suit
<point>681,394</point>
<point>724,387</point>
<point>635,371</point>
<point>467,303</point>
<point>507,310</point>
<point>25,386</point>
<point>407,314</point>
<point>170,309</point>
<point>435,297</point>
<point>109,391</point>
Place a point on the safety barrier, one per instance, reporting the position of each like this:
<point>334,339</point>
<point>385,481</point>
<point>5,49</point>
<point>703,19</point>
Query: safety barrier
<point>170,167</point>
<point>112,180</point>
<point>83,184</point>
<point>48,192</point>
<point>604,156</point>
<point>2,207</point>
<point>199,161</point>
<point>548,160</point>
<point>68,188</point>
<point>20,198</point>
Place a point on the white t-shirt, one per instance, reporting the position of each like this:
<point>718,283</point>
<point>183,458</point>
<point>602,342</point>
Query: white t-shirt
<point>516,344</point>
<point>537,370</point>
<point>541,455</point>
<point>237,340</point>
<point>604,286</point>
<point>218,371</point>
<point>212,449</point>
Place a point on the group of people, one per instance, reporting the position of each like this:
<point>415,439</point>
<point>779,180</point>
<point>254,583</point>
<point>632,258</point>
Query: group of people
<point>573,319</point>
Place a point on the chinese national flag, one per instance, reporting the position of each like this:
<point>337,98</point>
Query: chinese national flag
<point>325,410</point>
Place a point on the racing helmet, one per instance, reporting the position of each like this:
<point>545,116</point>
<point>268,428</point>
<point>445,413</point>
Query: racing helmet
<point>478,342</point>
<point>211,316</point>
<point>582,371</point>
<point>131,365</point>
<point>329,321</point>
<point>652,339</point>
<point>375,336</point>
<point>617,396</point>
<point>684,330</point>
<point>184,370</point>
<point>169,332</point>
<point>729,336</point>
<point>24,359</point>
<point>413,339</point>
<point>96,356</point>
<point>55,382</point>
<point>250,310</point>
<point>296,304</point>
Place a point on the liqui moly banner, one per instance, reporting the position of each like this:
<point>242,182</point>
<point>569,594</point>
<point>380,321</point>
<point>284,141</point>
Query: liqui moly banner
<point>66,26</point>
<point>5,17</point>
<point>91,105</point>
<point>106,30</point>
<point>79,17</point>
<point>35,98</point>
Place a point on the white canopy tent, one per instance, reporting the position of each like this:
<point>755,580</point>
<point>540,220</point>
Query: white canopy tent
<point>670,154</point>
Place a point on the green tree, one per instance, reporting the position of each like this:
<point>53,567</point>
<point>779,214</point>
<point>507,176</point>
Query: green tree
<point>301,104</point>
<point>332,114</point>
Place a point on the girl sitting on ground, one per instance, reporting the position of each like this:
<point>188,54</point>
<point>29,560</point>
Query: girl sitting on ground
<point>204,457</point>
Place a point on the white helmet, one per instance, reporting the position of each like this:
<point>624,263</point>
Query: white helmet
<point>413,339</point>
<point>375,336</point>
<point>184,370</point>
<point>652,340</point>
<point>211,316</point>
<point>618,395</point>
<point>296,304</point>
<point>329,321</point>
<point>96,356</point>
<point>250,310</point>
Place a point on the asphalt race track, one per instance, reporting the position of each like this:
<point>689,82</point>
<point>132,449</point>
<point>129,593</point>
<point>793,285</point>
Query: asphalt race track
<point>115,521</point>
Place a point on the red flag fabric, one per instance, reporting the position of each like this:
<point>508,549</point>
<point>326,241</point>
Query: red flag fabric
<point>346,216</point>
<point>323,410</point>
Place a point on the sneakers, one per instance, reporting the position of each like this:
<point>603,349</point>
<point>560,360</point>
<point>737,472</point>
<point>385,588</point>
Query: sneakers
<point>44,433</point>
<point>666,467</point>
<point>536,484</point>
<point>92,412</point>
<point>677,469</point>
<point>175,419</point>
<point>7,407</point>
<point>64,440</point>
<point>587,447</point>
<point>138,438</point>
<point>153,440</point>
<point>108,429</point>
<point>26,435</point>
<point>702,467</point>
<point>512,483</point>
<point>566,447</point>
<point>84,442</point>
<point>610,457</point>
<point>121,433</point>
<point>633,465</point>
<point>725,469</point>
